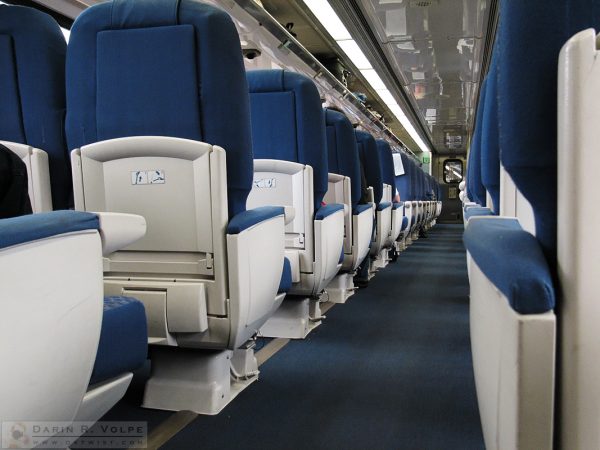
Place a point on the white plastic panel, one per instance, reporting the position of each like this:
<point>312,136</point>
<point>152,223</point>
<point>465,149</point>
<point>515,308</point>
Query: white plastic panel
<point>513,361</point>
<point>165,180</point>
<point>52,304</point>
<point>280,183</point>
<point>578,241</point>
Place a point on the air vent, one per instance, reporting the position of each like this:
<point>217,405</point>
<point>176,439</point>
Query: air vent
<point>424,3</point>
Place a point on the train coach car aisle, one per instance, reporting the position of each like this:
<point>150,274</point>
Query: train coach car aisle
<point>390,369</point>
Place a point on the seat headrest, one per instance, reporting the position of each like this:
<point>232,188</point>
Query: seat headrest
<point>342,150</point>
<point>288,122</point>
<point>490,149</point>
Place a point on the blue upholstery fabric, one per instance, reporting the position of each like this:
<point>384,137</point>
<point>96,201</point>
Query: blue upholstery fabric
<point>490,150</point>
<point>527,98</point>
<point>164,68</point>
<point>342,151</point>
<point>404,223</point>
<point>475,189</point>
<point>511,258</point>
<point>369,158</point>
<point>403,182</point>
<point>383,205</point>
<point>327,210</point>
<point>386,163</point>
<point>22,229</point>
<point>286,277</point>
<point>123,343</point>
<point>32,84</point>
<point>251,217</point>
<point>288,122</point>
<point>360,208</point>
<point>478,211</point>
<point>397,205</point>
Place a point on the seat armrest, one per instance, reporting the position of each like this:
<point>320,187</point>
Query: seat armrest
<point>512,259</point>
<point>328,210</point>
<point>251,217</point>
<point>361,208</point>
<point>118,230</point>
<point>383,205</point>
<point>33,227</point>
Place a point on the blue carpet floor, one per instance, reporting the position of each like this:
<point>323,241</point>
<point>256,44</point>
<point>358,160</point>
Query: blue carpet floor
<point>390,369</point>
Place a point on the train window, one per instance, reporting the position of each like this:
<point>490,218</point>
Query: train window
<point>453,171</point>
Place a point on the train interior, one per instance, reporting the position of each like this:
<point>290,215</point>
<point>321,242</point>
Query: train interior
<point>304,224</point>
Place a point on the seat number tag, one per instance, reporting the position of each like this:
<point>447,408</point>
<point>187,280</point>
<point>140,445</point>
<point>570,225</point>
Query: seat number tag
<point>156,176</point>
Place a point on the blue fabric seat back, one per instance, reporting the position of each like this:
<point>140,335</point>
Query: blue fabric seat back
<point>403,181</point>
<point>343,151</point>
<point>288,122</point>
<point>386,163</point>
<point>161,68</point>
<point>490,150</point>
<point>475,189</point>
<point>369,158</point>
<point>32,86</point>
<point>527,98</point>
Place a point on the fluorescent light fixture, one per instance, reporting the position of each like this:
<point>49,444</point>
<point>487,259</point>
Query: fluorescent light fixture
<point>351,48</point>
<point>386,96</point>
<point>373,78</point>
<point>328,18</point>
<point>338,31</point>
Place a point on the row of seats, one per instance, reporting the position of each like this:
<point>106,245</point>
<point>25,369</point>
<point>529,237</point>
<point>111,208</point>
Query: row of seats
<point>192,219</point>
<point>523,274</point>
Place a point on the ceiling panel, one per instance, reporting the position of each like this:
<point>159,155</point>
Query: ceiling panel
<point>436,49</point>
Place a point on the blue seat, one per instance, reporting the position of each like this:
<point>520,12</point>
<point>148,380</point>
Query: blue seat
<point>369,159</point>
<point>53,268</point>
<point>289,141</point>
<point>528,157</point>
<point>344,168</point>
<point>32,84</point>
<point>490,149</point>
<point>386,164</point>
<point>186,146</point>
<point>475,189</point>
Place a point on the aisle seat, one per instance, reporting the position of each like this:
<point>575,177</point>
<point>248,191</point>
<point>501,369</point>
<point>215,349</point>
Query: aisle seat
<point>180,154</point>
<point>369,159</point>
<point>291,170</point>
<point>52,274</point>
<point>386,163</point>
<point>345,187</point>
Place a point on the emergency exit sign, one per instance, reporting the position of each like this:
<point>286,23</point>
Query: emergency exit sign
<point>426,159</point>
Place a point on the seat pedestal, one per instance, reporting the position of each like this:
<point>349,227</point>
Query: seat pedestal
<point>400,245</point>
<point>382,260</point>
<point>203,381</point>
<point>294,319</point>
<point>340,289</point>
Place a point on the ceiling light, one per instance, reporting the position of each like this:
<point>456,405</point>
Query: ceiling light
<point>327,16</point>
<point>353,51</point>
<point>373,78</point>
